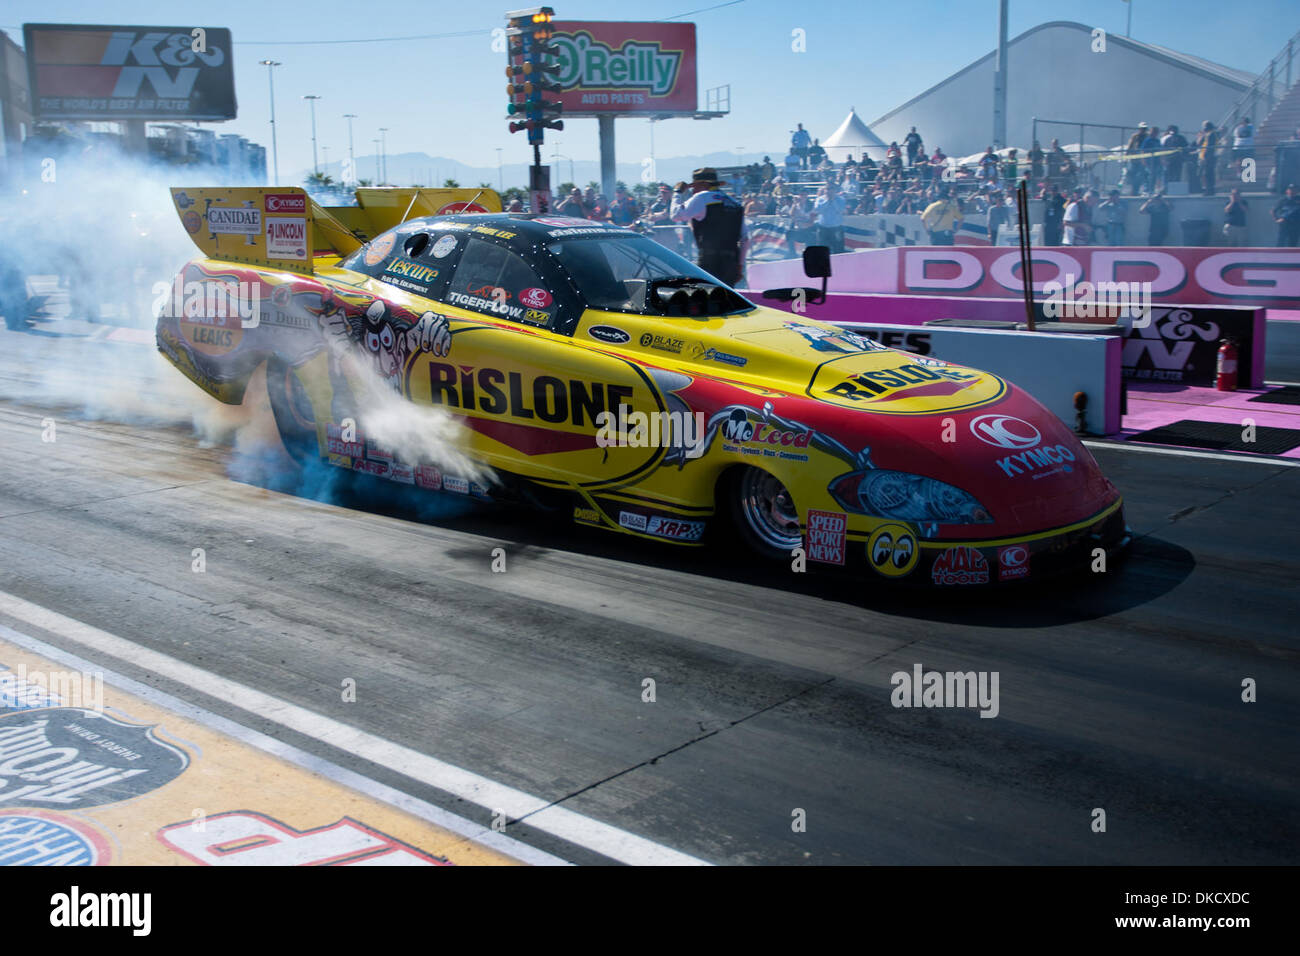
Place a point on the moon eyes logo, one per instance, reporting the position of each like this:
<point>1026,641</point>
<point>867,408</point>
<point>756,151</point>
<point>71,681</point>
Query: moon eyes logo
<point>1003,431</point>
<point>892,550</point>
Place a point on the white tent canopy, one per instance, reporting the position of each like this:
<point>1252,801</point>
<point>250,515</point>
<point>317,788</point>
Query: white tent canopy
<point>852,139</point>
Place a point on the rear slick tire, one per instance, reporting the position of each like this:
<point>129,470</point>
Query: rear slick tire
<point>292,410</point>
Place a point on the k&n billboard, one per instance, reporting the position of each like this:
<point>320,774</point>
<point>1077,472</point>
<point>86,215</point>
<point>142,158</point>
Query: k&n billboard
<point>82,72</point>
<point>628,68</point>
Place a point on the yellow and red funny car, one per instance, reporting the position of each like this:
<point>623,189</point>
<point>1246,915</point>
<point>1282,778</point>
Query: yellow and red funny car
<point>597,371</point>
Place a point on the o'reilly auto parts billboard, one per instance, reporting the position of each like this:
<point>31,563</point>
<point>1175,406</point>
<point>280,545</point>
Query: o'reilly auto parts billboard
<point>627,68</point>
<point>82,72</point>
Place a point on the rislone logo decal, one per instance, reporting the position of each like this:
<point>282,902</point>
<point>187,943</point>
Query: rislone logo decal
<point>907,389</point>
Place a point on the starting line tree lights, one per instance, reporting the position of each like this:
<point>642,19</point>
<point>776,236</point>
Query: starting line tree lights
<point>530,66</point>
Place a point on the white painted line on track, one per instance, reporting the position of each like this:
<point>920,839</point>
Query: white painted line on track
<point>601,838</point>
<point>1192,453</point>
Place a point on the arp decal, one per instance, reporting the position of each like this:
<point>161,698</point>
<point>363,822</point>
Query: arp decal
<point>960,565</point>
<point>907,389</point>
<point>826,537</point>
<point>41,838</point>
<point>69,759</point>
<point>444,247</point>
<point>246,838</point>
<point>1013,562</point>
<point>892,550</point>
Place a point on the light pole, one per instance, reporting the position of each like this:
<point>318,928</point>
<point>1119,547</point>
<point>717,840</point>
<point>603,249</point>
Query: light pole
<point>1128,29</point>
<point>378,177</point>
<point>352,158</point>
<point>501,182</point>
<point>311,99</point>
<point>275,152</point>
<point>383,150</point>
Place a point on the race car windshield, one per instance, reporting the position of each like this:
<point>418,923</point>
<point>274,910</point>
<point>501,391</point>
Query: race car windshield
<point>617,274</point>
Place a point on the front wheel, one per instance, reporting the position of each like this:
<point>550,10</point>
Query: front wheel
<point>292,409</point>
<point>764,515</point>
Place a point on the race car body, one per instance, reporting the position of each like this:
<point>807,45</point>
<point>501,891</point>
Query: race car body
<point>599,372</point>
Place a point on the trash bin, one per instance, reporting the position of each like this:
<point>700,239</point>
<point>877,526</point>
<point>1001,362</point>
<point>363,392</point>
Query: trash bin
<point>1196,232</point>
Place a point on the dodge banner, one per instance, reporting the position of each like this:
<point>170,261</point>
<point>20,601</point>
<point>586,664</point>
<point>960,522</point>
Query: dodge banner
<point>628,68</point>
<point>1180,275</point>
<point>81,72</point>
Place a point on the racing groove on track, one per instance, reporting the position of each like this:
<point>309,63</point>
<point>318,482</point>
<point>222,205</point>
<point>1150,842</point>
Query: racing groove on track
<point>773,689</point>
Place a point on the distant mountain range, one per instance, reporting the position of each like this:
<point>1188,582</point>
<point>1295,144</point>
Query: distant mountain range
<point>405,169</point>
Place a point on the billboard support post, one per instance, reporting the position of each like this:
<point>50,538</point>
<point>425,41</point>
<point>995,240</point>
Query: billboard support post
<point>608,176</point>
<point>136,137</point>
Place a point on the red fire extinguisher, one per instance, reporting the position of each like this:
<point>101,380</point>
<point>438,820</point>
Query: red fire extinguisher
<point>1226,380</point>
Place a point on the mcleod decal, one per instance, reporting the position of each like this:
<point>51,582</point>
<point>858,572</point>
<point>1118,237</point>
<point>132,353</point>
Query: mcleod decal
<point>587,62</point>
<point>910,389</point>
<point>746,437</point>
<point>546,398</point>
<point>892,550</point>
<point>69,759</point>
<point>960,565</point>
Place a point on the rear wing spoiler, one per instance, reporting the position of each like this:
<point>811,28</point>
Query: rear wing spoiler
<point>284,228</point>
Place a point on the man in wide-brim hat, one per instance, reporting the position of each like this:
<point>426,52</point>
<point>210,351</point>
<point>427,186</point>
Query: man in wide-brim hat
<point>718,222</point>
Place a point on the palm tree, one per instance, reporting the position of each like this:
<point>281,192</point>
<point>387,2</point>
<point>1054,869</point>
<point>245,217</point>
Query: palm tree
<point>450,184</point>
<point>320,180</point>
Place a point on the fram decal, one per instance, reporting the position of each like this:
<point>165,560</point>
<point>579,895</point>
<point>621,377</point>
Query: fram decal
<point>246,838</point>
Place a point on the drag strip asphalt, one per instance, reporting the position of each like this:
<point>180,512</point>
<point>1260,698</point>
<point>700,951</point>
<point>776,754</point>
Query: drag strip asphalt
<point>1121,691</point>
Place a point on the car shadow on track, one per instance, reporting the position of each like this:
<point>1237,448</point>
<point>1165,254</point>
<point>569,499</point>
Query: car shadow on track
<point>1150,569</point>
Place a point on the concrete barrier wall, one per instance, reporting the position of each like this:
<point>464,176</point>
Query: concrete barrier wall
<point>1048,366</point>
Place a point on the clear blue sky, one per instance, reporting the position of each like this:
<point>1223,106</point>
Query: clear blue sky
<point>446,96</point>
